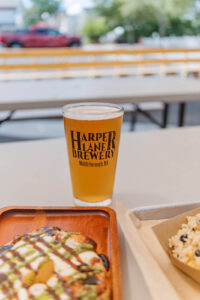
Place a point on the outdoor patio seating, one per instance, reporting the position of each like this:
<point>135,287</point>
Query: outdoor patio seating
<point>35,64</point>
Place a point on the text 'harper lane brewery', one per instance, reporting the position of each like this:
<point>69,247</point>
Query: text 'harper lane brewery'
<point>93,146</point>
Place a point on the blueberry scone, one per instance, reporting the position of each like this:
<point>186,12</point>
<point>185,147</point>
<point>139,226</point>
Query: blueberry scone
<point>185,244</point>
<point>50,263</point>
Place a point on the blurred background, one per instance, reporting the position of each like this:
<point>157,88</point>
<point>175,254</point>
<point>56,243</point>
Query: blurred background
<point>95,25</point>
<point>147,22</point>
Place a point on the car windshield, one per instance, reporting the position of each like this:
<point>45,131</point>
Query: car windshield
<point>53,32</point>
<point>21,31</point>
<point>41,31</point>
<point>47,31</point>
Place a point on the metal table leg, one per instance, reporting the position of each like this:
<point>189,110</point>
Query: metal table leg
<point>133,118</point>
<point>165,115</point>
<point>181,114</point>
<point>8,117</point>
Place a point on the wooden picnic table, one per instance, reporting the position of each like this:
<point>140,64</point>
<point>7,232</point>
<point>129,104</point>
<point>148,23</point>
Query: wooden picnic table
<point>157,167</point>
<point>56,93</point>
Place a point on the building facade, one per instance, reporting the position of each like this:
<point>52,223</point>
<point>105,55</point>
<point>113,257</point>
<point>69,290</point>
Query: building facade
<point>8,11</point>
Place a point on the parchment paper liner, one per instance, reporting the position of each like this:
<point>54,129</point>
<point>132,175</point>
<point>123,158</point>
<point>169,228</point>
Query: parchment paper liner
<point>166,230</point>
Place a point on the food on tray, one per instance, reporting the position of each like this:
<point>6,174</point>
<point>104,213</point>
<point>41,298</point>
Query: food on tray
<point>185,245</point>
<point>50,263</point>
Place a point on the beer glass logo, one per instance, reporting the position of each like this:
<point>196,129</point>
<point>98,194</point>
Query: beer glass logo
<point>93,146</point>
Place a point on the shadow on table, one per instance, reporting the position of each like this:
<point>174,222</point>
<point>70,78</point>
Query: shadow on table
<point>132,280</point>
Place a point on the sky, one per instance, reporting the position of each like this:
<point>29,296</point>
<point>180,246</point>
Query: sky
<point>73,7</point>
<point>76,6</point>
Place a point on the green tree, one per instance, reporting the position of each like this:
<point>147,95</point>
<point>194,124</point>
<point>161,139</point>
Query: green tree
<point>111,10</point>
<point>164,10</point>
<point>143,17</point>
<point>95,27</point>
<point>178,27</point>
<point>38,8</point>
<point>142,23</point>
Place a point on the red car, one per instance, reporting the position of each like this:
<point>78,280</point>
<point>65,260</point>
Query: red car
<point>38,37</point>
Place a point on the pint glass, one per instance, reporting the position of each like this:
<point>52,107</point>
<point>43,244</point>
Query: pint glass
<point>92,132</point>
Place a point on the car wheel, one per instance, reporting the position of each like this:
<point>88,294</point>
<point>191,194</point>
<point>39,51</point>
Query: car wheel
<point>15,45</point>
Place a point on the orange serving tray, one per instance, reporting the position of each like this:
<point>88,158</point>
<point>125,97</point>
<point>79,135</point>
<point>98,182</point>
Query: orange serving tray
<point>97,223</point>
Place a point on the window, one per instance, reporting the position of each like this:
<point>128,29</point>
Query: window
<point>41,31</point>
<point>53,32</point>
<point>21,31</point>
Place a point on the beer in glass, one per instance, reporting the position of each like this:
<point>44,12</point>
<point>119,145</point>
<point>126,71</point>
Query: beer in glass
<point>92,132</point>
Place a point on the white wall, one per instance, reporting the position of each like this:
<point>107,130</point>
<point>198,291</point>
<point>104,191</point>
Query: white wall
<point>181,41</point>
<point>7,16</point>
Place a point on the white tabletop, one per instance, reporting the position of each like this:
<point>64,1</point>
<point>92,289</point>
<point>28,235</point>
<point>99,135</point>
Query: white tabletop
<point>55,93</point>
<point>154,168</point>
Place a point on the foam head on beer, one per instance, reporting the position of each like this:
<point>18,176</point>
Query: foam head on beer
<point>92,133</point>
<point>89,112</point>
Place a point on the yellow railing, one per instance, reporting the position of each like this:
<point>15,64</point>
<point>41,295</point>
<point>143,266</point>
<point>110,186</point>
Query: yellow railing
<point>86,63</point>
<point>52,52</point>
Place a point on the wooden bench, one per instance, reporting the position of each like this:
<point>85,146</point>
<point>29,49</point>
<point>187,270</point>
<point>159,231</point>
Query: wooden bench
<point>54,63</point>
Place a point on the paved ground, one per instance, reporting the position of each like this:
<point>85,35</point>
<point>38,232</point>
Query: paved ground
<point>44,129</point>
